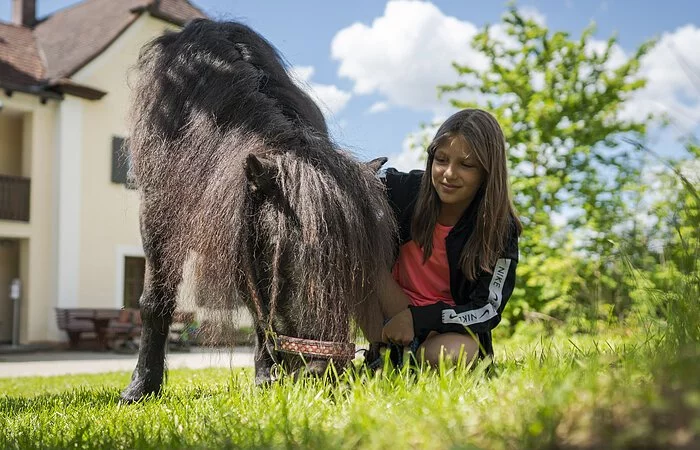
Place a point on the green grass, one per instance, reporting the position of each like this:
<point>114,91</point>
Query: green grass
<point>613,391</point>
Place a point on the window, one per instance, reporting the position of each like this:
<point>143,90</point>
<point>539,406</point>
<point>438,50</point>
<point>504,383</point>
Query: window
<point>134,271</point>
<point>120,162</point>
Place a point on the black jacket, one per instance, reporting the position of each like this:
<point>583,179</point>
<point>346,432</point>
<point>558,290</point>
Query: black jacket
<point>479,303</point>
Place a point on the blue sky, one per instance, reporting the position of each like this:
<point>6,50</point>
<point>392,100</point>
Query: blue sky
<point>366,55</point>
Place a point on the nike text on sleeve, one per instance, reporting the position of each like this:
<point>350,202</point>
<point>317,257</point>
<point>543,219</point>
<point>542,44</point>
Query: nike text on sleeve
<point>488,311</point>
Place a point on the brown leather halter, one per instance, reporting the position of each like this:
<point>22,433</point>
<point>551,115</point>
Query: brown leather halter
<point>337,351</point>
<point>340,352</point>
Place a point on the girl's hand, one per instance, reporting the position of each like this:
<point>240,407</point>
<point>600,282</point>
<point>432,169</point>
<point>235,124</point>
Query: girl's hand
<point>399,330</point>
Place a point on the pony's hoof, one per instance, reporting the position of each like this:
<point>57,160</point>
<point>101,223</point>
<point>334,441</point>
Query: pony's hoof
<point>137,392</point>
<point>263,380</point>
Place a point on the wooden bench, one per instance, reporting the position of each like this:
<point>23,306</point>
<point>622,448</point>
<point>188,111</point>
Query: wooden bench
<point>75,322</point>
<point>125,327</point>
<point>106,324</point>
<point>109,325</point>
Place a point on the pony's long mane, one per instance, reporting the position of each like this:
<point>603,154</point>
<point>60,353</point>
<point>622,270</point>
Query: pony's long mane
<point>205,98</point>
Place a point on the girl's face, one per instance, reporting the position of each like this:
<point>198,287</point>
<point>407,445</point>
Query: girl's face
<point>456,174</point>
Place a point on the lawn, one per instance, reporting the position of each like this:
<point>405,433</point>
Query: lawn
<point>547,390</point>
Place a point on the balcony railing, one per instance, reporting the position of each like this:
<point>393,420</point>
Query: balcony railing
<point>14,198</point>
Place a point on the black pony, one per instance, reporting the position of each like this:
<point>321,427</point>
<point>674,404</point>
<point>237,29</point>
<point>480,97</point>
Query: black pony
<point>236,169</point>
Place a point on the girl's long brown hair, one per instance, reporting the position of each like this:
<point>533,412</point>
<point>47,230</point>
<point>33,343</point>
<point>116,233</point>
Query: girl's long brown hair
<point>495,212</point>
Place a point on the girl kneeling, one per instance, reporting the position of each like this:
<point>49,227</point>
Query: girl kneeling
<point>458,249</point>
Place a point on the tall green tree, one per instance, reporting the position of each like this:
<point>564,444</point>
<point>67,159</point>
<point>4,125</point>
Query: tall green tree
<point>559,101</point>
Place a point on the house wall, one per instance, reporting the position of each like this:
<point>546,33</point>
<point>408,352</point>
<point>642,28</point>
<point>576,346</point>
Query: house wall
<point>10,144</point>
<point>109,226</point>
<point>37,240</point>
<point>108,217</point>
<point>82,226</point>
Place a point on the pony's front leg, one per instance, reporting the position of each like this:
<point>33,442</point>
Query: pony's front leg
<point>263,360</point>
<point>157,306</point>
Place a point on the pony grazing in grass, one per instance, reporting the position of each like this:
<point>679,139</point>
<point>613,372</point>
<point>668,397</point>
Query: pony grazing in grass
<point>234,164</point>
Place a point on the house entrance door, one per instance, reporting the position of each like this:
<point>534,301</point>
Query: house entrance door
<point>134,272</point>
<point>9,269</point>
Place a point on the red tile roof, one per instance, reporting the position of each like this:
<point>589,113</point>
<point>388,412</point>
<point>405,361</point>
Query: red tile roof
<point>178,11</point>
<point>66,41</point>
<point>72,37</point>
<point>20,60</point>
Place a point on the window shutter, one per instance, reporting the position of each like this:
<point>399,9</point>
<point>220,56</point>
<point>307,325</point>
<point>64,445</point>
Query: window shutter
<point>120,161</point>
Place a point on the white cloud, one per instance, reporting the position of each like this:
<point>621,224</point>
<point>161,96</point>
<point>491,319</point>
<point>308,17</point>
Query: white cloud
<point>537,81</point>
<point>530,12</point>
<point>558,219</point>
<point>597,47</point>
<point>691,171</point>
<point>378,107</point>
<point>301,73</point>
<point>330,98</point>
<point>405,54</point>
<point>672,70</point>
<point>412,155</point>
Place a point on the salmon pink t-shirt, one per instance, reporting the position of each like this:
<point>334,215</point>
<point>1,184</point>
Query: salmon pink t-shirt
<point>427,283</point>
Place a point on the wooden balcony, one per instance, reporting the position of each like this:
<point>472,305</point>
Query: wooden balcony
<point>14,198</point>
